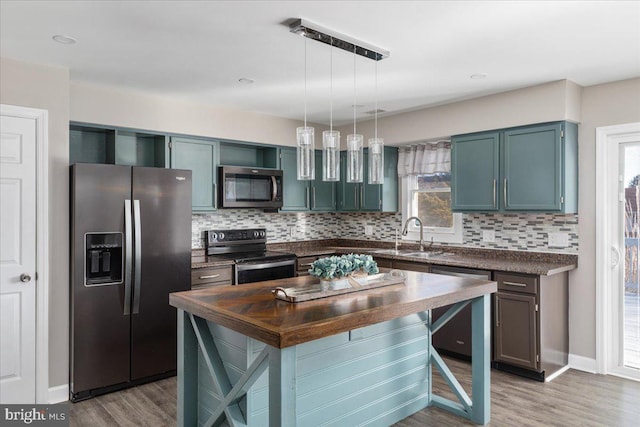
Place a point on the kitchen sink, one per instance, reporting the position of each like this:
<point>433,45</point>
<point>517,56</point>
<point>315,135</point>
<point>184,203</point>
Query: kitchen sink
<point>425,254</point>
<point>411,253</point>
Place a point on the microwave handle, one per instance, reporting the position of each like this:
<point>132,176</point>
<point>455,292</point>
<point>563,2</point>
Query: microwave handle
<point>274,188</point>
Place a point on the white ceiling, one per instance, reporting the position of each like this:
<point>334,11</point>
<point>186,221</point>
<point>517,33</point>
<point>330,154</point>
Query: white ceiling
<point>198,50</point>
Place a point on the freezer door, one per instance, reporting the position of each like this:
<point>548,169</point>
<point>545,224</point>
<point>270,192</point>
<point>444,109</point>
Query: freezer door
<point>100,331</point>
<point>162,222</point>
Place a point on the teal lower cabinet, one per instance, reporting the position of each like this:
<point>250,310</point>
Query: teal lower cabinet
<point>199,156</point>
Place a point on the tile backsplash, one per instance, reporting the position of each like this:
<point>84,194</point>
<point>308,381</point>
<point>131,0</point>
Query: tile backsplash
<point>522,231</point>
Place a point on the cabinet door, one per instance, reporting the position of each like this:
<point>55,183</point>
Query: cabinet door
<point>474,172</point>
<point>390,187</point>
<point>348,192</point>
<point>371,194</point>
<point>323,194</point>
<point>532,168</point>
<point>515,329</point>
<point>295,193</point>
<point>200,157</point>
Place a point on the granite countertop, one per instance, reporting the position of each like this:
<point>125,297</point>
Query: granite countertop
<point>538,263</point>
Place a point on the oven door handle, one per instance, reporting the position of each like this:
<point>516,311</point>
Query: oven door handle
<point>261,265</point>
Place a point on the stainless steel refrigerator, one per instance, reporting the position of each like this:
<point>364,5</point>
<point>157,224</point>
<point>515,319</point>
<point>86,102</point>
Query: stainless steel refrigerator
<point>130,247</point>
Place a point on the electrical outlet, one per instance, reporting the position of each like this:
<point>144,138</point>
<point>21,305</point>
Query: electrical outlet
<point>292,232</point>
<point>368,230</point>
<point>558,240</point>
<point>488,236</point>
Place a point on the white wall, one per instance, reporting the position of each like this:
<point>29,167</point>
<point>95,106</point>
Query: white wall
<point>547,102</point>
<point>116,107</point>
<point>602,105</point>
<point>48,88</point>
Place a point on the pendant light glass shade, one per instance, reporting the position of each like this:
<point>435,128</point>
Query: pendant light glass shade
<point>376,161</point>
<point>306,159</point>
<point>331,155</point>
<point>355,158</point>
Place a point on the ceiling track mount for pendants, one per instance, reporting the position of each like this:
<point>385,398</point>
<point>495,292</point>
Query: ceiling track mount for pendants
<point>316,32</point>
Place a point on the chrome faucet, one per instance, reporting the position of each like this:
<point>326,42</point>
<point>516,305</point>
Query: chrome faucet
<point>406,226</point>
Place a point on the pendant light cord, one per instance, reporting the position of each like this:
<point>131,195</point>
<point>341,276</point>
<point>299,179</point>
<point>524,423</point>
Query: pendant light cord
<point>331,86</point>
<point>375,94</point>
<point>305,83</point>
<point>354,90</point>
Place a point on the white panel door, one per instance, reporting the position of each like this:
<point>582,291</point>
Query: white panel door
<point>17,260</point>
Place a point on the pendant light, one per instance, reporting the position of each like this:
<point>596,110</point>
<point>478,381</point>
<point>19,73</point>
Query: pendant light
<point>354,141</point>
<point>331,138</point>
<point>305,152</point>
<point>376,145</point>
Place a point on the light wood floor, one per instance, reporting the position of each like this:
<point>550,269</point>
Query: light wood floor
<point>573,399</point>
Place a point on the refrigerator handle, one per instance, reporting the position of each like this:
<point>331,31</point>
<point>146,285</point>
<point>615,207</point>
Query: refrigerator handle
<point>128,250</point>
<point>138,259</point>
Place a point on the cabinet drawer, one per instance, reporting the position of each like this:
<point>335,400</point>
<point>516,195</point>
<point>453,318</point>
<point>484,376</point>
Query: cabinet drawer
<point>212,276</point>
<point>517,283</point>
<point>304,264</point>
<point>383,262</point>
<point>412,266</point>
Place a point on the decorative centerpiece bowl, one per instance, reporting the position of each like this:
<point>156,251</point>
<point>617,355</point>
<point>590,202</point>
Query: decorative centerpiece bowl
<point>334,271</point>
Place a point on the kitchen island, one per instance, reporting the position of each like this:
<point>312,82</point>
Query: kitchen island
<point>359,358</point>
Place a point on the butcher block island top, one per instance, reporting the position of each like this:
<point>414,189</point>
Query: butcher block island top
<point>252,310</point>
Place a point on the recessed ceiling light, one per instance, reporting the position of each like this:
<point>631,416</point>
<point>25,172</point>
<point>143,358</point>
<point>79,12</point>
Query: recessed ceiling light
<point>379,110</point>
<point>357,105</point>
<point>245,81</point>
<point>64,39</point>
<point>478,76</point>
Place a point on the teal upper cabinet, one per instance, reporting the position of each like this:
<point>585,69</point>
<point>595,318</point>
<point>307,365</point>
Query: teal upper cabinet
<point>475,172</point>
<point>248,155</point>
<point>323,193</point>
<point>525,169</point>
<point>200,157</point>
<point>95,144</point>
<point>315,195</point>
<point>370,197</point>
<point>295,193</point>
<point>348,193</point>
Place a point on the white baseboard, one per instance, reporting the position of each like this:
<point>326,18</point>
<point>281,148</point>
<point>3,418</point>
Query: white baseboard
<point>59,393</point>
<point>582,363</point>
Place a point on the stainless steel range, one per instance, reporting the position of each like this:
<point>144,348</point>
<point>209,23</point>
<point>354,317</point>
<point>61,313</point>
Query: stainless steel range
<point>248,250</point>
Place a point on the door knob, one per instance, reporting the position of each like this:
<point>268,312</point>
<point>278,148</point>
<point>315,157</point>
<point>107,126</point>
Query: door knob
<point>24,278</point>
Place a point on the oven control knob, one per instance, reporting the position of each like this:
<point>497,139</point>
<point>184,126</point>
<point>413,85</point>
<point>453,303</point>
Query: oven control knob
<point>263,233</point>
<point>256,234</point>
<point>214,236</point>
<point>220,236</point>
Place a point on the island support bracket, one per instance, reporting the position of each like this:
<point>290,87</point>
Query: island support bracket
<point>478,408</point>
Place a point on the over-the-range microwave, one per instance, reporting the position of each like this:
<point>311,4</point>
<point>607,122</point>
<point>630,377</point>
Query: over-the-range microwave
<point>242,187</point>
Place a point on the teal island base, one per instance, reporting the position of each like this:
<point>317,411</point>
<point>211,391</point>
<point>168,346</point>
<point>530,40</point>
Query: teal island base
<point>375,376</point>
